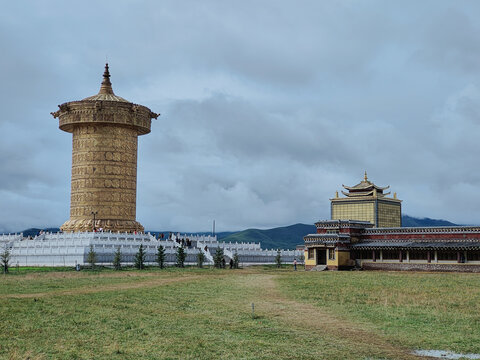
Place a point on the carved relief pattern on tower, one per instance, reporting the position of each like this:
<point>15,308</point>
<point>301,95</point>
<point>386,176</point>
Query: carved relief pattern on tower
<point>104,172</point>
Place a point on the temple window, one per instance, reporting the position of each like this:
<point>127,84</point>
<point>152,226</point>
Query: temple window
<point>446,255</point>
<point>390,254</point>
<point>365,254</point>
<point>418,255</point>
<point>473,255</point>
<point>331,254</point>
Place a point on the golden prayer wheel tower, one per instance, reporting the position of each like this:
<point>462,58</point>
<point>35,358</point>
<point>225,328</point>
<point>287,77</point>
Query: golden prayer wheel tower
<point>105,129</point>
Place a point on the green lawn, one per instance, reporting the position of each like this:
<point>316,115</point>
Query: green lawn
<point>417,310</point>
<point>205,313</point>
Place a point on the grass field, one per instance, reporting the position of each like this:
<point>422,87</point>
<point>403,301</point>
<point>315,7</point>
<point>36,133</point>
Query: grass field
<point>205,314</point>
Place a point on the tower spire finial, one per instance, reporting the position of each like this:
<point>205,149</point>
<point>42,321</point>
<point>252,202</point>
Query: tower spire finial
<point>365,178</point>
<point>106,87</point>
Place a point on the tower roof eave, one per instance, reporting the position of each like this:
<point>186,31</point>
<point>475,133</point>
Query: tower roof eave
<point>365,185</point>
<point>362,198</point>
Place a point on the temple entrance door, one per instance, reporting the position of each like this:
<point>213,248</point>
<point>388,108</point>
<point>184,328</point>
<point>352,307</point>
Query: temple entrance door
<point>321,257</point>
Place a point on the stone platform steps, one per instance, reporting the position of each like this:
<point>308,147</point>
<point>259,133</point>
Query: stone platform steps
<point>319,268</point>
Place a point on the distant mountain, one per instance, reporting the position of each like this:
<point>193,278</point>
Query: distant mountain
<point>34,231</point>
<point>285,237</point>
<point>288,237</point>
<point>409,221</point>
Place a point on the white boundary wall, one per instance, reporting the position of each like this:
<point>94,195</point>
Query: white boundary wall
<point>70,249</point>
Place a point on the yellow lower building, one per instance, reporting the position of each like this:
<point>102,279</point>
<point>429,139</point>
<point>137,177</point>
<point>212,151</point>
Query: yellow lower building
<point>332,257</point>
<point>330,246</point>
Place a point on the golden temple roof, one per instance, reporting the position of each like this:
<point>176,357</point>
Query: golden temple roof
<point>365,188</point>
<point>106,92</point>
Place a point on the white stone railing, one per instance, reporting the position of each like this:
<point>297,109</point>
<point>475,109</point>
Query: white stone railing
<point>227,253</point>
<point>11,237</point>
<point>68,249</point>
<point>206,253</point>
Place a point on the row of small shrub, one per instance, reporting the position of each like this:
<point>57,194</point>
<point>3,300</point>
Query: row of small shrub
<point>139,263</point>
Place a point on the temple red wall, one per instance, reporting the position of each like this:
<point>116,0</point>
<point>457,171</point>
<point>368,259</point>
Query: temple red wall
<point>417,236</point>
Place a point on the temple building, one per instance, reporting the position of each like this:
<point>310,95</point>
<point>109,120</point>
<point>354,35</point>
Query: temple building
<point>365,232</point>
<point>367,202</point>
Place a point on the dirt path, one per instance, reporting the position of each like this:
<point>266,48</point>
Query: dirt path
<point>296,313</point>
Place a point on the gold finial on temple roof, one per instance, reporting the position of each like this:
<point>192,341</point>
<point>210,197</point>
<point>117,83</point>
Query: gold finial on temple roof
<point>365,178</point>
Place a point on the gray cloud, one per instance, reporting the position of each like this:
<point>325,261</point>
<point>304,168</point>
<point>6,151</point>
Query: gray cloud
<point>267,108</point>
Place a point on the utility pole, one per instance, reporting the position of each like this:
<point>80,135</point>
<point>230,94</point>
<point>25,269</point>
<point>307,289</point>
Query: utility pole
<point>213,232</point>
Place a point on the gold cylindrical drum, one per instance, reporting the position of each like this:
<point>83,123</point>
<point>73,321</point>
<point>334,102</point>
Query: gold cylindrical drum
<point>104,179</point>
<point>105,130</point>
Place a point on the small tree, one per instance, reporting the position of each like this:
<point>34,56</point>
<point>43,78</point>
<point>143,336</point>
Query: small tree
<point>236,261</point>
<point>117,259</point>
<point>218,258</point>
<point>161,256</point>
<point>140,258</point>
<point>92,257</point>
<point>200,259</point>
<point>181,257</point>
<point>5,260</point>
<point>301,259</point>
<point>278,259</point>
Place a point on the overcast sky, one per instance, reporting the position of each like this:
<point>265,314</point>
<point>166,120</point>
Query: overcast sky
<point>268,107</point>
